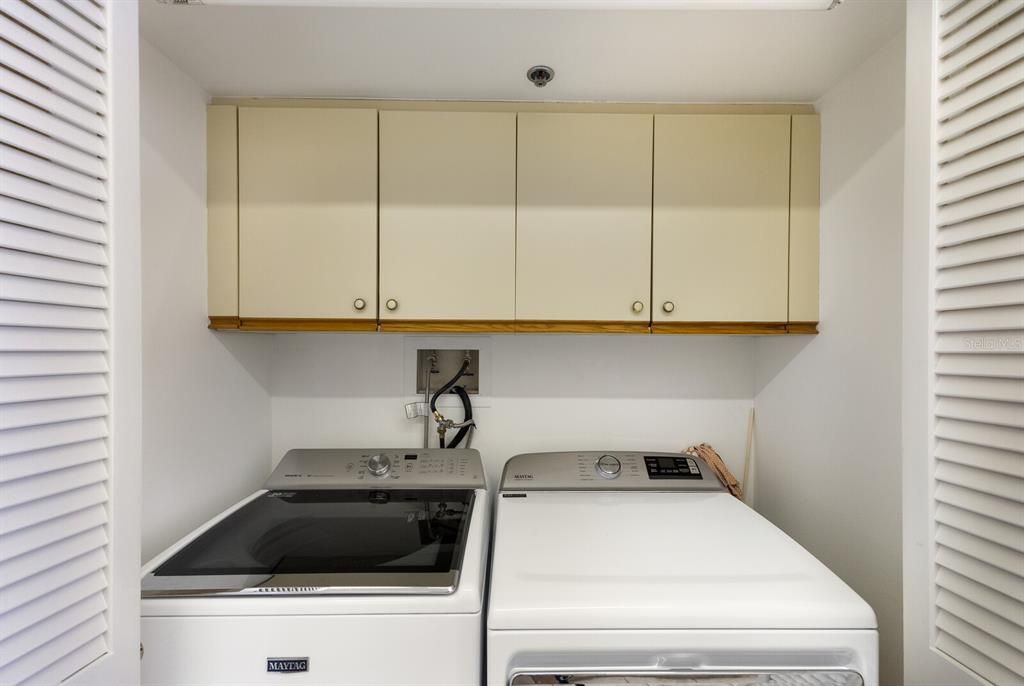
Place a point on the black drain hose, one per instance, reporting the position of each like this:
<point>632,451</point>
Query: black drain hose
<point>468,410</point>
<point>444,389</point>
<point>463,395</point>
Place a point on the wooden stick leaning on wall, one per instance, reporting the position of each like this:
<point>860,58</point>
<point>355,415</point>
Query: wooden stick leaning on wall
<point>708,454</point>
<point>748,462</point>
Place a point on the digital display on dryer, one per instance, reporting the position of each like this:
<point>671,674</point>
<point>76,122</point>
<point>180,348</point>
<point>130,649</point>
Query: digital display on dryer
<point>682,467</point>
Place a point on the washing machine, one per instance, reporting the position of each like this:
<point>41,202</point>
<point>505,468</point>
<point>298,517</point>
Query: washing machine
<point>349,567</point>
<point>639,568</point>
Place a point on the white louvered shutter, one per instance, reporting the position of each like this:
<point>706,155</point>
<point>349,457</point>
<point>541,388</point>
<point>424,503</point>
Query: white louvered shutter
<point>979,339</point>
<point>54,567</point>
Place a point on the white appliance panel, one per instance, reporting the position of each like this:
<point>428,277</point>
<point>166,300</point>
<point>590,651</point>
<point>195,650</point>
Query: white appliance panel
<point>595,470</point>
<point>578,560</point>
<point>382,650</point>
<point>578,651</point>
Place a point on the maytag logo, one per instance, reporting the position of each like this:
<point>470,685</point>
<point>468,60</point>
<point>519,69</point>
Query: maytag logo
<point>522,476</point>
<point>287,665</point>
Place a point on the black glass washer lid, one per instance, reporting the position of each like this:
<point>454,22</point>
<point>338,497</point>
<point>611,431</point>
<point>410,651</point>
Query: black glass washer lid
<point>325,542</point>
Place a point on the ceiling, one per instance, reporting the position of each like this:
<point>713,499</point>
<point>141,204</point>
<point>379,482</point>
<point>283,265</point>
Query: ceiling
<point>483,54</point>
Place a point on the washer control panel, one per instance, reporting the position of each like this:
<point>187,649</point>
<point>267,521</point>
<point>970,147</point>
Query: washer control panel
<point>608,471</point>
<point>387,468</point>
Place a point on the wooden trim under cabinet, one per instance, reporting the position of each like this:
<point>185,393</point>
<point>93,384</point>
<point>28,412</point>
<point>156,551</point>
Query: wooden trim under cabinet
<point>267,324</point>
<point>223,323</point>
<point>732,328</point>
<point>570,326</point>
<point>802,327</point>
<point>291,324</point>
<point>302,324</point>
<point>447,326</point>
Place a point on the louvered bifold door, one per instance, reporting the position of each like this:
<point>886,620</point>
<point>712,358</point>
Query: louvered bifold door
<point>979,339</point>
<point>53,338</point>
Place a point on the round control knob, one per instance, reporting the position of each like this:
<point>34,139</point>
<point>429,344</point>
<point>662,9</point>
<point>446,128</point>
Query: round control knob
<point>391,304</point>
<point>608,466</point>
<point>379,465</point>
<point>638,306</point>
<point>668,306</point>
<point>359,304</point>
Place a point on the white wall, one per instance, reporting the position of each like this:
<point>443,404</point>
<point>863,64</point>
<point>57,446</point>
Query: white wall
<point>828,407</point>
<point>205,404</point>
<point>539,392</point>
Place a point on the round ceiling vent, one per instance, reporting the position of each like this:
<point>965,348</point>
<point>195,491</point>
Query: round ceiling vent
<point>540,75</point>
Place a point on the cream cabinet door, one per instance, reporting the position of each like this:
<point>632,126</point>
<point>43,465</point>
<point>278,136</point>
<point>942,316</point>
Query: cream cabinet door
<point>721,218</point>
<point>584,217</point>
<point>804,211</point>
<point>222,211</point>
<point>307,187</point>
<point>447,215</point>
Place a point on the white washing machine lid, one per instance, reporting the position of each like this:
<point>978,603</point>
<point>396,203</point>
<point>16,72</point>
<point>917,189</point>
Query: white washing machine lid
<point>632,560</point>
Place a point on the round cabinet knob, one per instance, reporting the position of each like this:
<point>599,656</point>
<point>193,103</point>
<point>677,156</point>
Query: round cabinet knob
<point>359,304</point>
<point>668,306</point>
<point>379,465</point>
<point>638,307</point>
<point>391,304</point>
<point>608,466</point>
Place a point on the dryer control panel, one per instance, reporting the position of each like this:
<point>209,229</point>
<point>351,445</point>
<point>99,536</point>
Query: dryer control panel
<point>334,468</point>
<point>608,471</point>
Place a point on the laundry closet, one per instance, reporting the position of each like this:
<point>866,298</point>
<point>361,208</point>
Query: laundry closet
<point>608,232</point>
<point>544,228</point>
<point>600,320</point>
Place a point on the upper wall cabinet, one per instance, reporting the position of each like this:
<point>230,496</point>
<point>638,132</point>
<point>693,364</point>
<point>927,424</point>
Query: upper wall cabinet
<point>307,232</point>
<point>493,220</point>
<point>721,219</point>
<point>583,242</point>
<point>447,220</point>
